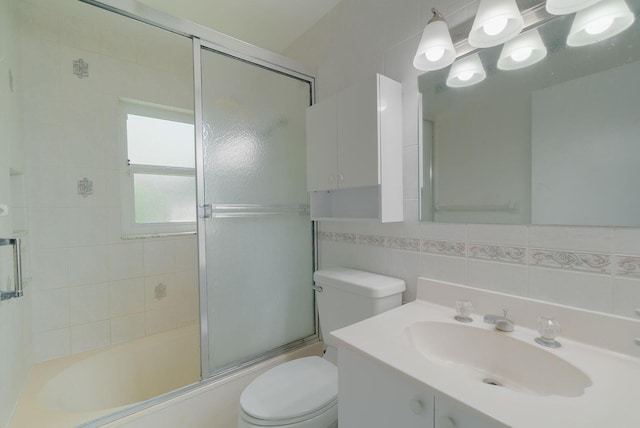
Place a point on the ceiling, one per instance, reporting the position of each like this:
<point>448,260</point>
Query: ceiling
<point>270,24</point>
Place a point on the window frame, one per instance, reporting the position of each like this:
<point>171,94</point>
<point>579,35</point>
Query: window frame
<point>129,227</point>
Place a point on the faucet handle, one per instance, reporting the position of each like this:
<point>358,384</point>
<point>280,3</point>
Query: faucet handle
<point>549,328</point>
<point>464,308</point>
<point>505,312</point>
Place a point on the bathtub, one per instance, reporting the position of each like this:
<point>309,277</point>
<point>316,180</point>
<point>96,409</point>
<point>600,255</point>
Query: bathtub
<point>65,392</point>
<point>75,390</point>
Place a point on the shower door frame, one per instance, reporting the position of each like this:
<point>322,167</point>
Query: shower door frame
<point>268,64</point>
<point>242,51</point>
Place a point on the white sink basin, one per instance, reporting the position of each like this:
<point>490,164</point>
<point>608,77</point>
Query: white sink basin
<point>496,358</point>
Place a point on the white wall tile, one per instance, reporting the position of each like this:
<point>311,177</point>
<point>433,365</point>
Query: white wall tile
<point>444,232</point>
<point>159,320</point>
<point>404,265</point>
<point>186,254</point>
<point>502,277</point>
<point>50,268</point>
<point>125,261</point>
<point>50,309</point>
<point>571,238</point>
<point>45,187</point>
<point>154,300</point>
<point>186,299</point>
<point>570,288</point>
<point>86,226</point>
<point>337,254</point>
<point>626,297</point>
<point>98,181</point>
<point>51,344</point>
<point>88,303</point>
<point>83,148</point>
<point>43,146</point>
<point>371,259</point>
<point>443,268</point>
<point>626,241</point>
<point>90,336</point>
<point>87,265</point>
<point>497,234</point>
<point>126,297</point>
<point>127,328</point>
<point>159,257</point>
<point>48,227</point>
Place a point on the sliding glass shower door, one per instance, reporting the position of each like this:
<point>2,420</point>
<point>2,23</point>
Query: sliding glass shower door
<point>254,214</point>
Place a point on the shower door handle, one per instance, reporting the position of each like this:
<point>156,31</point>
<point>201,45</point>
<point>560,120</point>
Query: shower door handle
<point>207,211</point>
<point>17,261</point>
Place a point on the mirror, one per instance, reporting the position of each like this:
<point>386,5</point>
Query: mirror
<point>554,143</point>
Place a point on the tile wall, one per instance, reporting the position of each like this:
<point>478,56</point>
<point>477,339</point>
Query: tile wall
<point>594,268</point>
<point>90,287</point>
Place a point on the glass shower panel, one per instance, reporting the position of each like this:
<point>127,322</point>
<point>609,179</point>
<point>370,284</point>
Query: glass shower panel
<point>259,237</point>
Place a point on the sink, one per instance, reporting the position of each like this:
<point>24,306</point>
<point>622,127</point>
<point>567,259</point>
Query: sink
<point>497,359</point>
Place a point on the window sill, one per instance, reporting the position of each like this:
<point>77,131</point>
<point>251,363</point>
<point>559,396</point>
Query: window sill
<point>158,235</point>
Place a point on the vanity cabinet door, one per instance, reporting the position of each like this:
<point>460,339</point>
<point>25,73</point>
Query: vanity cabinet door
<point>322,146</point>
<point>374,396</point>
<point>452,414</point>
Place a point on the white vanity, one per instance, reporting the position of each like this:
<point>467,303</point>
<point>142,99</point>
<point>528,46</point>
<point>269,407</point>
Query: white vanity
<point>415,366</point>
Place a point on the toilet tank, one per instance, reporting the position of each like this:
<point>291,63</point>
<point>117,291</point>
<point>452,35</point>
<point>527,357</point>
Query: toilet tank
<point>349,296</point>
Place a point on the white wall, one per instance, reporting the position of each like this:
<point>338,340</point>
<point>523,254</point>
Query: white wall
<point>595,268</point>
<point>90,287</point>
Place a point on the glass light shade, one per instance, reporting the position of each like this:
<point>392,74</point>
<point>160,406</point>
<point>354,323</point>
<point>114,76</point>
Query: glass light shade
<point>466,72</point>
<point>496,22</point>
<point>523,51</point>
<point>564,7</point>
<point>435,50</point>
<point>599,22</point>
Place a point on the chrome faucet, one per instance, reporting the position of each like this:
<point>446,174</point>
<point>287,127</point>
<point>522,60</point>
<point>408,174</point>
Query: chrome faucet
<point>502,323</point>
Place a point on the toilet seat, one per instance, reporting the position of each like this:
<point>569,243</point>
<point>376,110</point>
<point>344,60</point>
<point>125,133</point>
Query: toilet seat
<point>291,392</point>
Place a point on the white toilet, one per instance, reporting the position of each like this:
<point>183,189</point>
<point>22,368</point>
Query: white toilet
<point>303,393</point>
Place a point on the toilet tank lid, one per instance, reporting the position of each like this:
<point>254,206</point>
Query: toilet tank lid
<point>359,282</point>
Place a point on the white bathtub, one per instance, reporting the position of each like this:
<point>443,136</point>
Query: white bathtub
<point>69,391</point>
<point>75,389</point>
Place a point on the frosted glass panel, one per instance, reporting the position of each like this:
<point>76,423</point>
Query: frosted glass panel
<point>164,198</point>
<point>259,269</point>
<point>153,141</point>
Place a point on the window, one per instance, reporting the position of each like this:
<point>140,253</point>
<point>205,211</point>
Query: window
<point>159,186</point>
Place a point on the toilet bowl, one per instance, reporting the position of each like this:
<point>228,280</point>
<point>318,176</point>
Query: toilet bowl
<point>303,393</point>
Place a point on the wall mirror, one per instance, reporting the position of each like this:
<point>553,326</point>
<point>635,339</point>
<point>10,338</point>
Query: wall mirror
<point>556,143</point>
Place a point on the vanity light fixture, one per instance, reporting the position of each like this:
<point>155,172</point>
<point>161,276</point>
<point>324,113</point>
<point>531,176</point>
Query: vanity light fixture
<point>466,72</point>
<point>564,7</point>
<point>599,22</point>
<point>496,22</point>
<point>523,51</point>
<point>435,50</point>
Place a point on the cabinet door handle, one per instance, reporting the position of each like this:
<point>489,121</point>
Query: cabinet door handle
<point>416,406</point>
<point>446,422</point>
<point>340,177</point>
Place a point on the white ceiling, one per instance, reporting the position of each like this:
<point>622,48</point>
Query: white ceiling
<point>270,24</point>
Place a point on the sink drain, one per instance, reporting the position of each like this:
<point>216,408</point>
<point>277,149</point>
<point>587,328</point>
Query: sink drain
<point>491,381</point>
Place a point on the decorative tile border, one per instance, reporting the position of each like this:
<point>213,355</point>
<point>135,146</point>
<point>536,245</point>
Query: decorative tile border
<point>445,248</point>
<point>625,266</point>
<point>498,253</point>
<point>628,266</point>
<point>408,244</point>
<point>584,262</point>
<point>372,240</point>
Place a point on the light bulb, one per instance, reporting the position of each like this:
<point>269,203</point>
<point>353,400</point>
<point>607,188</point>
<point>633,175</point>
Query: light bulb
<point>495,26</point>
<point>521,54</point>
<point>599,25</point>
<point>435,53</point>
<point>465,75</point>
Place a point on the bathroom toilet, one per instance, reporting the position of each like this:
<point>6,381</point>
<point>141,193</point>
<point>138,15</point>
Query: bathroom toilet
<point>303,393</point>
